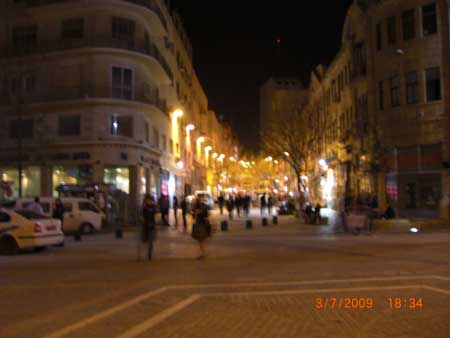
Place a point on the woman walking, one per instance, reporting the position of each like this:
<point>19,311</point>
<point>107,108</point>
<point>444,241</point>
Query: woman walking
<point>148,228</point>
<point>201,229</point>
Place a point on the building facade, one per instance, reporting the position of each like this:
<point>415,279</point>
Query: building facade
<point>103,94</point>
<point>378,116</point>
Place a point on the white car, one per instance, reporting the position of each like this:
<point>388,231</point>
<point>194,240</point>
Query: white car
<point>80,213</point>
<point>24,229</point>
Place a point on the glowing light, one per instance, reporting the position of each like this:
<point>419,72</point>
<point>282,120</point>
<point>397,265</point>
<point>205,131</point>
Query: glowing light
<point>414,230</point>
<point>276,162</point>
<point>177,113</point>
<point>286,178</point>
<point>214,155</point>
<point>180,165</point>
<point>322,163</point>
<point>190,127</point>
<point>275,191</point>
<point>287,154</point>
<point>201,139</point>
<point>208,148</point>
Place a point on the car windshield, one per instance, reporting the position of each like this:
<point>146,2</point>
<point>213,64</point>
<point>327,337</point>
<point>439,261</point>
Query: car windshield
<point>28,214</point>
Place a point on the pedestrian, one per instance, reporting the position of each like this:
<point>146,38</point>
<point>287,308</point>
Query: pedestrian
<point>238,204</point>
<point>184,211</point>
<point>221,201</point>
<point>230,206</point>
<point>247,201</point>
<point>175,209</point>
<point>262,203</point>
<point>164,209</point>
<point>58,211</point>
<point>309,212</point>
<point>36,206</point>
<point>317,218</point>
<point>201,229</point>
<point>149,226</point>
<point>270,203</point>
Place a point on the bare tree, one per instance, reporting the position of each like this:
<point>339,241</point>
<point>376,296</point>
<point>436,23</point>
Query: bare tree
<point>288,139</point>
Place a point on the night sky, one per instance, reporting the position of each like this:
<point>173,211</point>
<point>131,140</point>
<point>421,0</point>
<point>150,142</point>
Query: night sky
<point>235,49</point>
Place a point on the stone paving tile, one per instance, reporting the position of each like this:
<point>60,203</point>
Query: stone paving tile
<point>294,316</point>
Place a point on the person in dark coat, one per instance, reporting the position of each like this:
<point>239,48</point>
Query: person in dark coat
<point>201,229</point>
<point>149,227</point>
<point>262,203</point>
<point>230,207</point>
<point>317,218</point>
<point>221,201</point>
<point>184,211</point>
<point>164,208</point>
<point>58,211</point>
<point>238,204</point>
<point>175,209</point>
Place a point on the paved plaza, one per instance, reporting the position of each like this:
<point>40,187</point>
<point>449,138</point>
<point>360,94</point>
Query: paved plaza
<point>270,281</point>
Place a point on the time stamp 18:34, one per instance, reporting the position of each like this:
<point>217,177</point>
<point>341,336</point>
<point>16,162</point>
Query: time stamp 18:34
<point>362,303</point>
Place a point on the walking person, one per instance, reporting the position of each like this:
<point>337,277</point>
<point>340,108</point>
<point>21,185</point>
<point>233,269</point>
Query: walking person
<point>270,203</point>
<point>221,201</point>
<point>201,229</point>
<point>230,206</point>
<point>149,227</point>
<point>262,203</point>
<point>238,204</point>
<point>58,211</point>
<point>175,209</point>
<point>184,211</point>
<point>164,208</point>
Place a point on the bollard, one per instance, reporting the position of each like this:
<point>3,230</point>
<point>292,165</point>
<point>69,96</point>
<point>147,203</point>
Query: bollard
<point>77,236</point>
<point>119,233</point>
<point>275,220</point>
<point>224,225</point>
<point>249,224</point>
<point>264,222</point>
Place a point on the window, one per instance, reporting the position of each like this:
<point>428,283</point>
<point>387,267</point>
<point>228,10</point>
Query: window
<point>164,143</point>
<point>156,138</point>
<point>433,78</point>
<point>379,37</point>
<point>122,126</point>
<point>412,88</point>
<point>123,29</point>
<point>429,19</point>
<point>69,125</point>
<point>409,24</point>
<point>24,37</point>
<point>122,83</point>
<point>381,95</point>
<point>86,206</point>
<point>22,129</point>
<point>72,29</point>
<point>392,30</point>
<point>395,91</point>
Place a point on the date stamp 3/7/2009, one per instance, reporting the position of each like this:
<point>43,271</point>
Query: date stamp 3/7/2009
<point>367,303</point>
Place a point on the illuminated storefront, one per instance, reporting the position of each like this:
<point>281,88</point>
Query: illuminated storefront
<point>31,182</point>
<point>119,177</point>
<point>71,175</point>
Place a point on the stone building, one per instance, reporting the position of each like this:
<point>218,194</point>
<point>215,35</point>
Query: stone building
<point>99,93</point>
<point>378,115</point>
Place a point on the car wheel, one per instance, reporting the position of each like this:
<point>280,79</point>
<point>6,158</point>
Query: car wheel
<point>87,228</point>
<point>8,245</point>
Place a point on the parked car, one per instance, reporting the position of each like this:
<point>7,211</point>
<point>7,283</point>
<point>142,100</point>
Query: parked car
<point>80,213</point>
<point>24,229</point>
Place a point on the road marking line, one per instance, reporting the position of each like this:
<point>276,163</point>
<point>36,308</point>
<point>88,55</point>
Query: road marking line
<point>153,321</point>
<point>432,288</point>
<point>74,327</point>
<point>306,291</point>
<point>354,280</point>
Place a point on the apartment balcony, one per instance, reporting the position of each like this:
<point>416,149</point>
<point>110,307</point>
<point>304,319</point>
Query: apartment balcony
<point>142,94</point>
<point>149,4</point>
<point>143,48</point>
